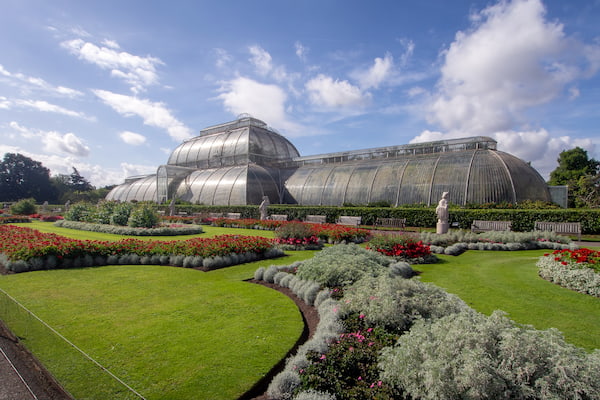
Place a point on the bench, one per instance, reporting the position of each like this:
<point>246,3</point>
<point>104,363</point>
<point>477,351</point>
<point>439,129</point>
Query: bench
<point>215,215</point>
<point>399,223</point>
<point>562,228</point>
<point>485,226</point>
<point>348,220</point>
<point>278,217</point>
<point>316,219</point>
<point>232,215</point>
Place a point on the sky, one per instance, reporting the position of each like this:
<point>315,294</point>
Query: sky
<point>113,87</point>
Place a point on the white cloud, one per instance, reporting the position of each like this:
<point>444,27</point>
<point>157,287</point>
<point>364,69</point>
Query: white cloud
<point>301,50</point>
<point>68,143</point>
<point>511,60</point>
<point>223,58</point>
<point>381,70</point>
<point>44,106</point>
<point>153,114</point>
<point>263,101</point>
<point>324,91</point>
<point>28,83</point>
<point>261,60</point>
<point>54,142</point>
<point>137,71</point>
<point>132,138</point>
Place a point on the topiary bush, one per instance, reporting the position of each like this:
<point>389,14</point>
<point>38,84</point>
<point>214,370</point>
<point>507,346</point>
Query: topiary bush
<point>121,214</point>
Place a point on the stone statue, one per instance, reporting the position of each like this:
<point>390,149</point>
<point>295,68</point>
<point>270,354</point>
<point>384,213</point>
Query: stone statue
<point>45,206</point>
<point>442,213</point>
<point>67,205</point>
<point>263,207</point>
<point>172,207</point>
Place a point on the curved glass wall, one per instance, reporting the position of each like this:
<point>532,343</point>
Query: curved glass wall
<point>142,189</point>
<point>469,176</point>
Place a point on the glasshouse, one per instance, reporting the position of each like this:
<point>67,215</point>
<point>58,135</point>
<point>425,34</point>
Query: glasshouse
<point>239,162</point>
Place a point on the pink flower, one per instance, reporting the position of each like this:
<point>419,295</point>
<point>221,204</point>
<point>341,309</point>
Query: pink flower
<point>323,357</point>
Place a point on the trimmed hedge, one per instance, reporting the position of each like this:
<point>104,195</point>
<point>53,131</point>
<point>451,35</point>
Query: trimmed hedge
<point>523,220</point>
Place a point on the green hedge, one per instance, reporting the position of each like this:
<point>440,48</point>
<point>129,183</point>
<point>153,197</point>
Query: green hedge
<point>523,220</point>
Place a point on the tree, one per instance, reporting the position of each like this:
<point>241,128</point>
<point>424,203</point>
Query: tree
<point>573,165</point>
<point>21,178</point>
<point>79,183</point>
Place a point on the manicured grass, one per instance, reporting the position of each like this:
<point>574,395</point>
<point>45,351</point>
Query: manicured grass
<point>491,280</point>
<point>170,333</point>
<point>209,231</point>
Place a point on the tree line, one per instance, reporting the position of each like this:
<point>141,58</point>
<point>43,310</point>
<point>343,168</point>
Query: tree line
<point>23,178</point>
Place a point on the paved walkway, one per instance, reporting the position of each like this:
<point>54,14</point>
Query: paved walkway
<point>13,385</point>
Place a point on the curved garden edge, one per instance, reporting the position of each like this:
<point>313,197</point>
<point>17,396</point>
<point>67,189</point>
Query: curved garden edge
<point>310,317</point>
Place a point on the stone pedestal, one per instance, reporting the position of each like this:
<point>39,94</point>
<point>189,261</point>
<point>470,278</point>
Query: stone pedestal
<point>441,228</point>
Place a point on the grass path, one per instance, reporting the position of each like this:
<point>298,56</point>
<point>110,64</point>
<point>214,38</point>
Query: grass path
<point>508,281</point>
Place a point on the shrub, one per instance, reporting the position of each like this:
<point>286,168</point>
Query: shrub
<point>283,385</point>
<point>402,269</point>
<point>469,355</point>
<point>24,207</point>
<point>395,303</point>
<point>143,217</point>
<point>121,214</point>
<point>78,212</point>
<point>314,395</point>
<point>341,265</point>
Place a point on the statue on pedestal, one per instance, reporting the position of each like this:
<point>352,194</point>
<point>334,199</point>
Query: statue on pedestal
<point>442,213</point>
<point>263,208</point>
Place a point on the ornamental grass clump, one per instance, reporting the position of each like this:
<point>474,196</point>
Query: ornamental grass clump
<point>469,355</point>
<point>577,270</point>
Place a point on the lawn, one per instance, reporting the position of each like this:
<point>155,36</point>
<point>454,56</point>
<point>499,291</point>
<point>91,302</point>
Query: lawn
<point>508,281</point>
<point>170,333</point>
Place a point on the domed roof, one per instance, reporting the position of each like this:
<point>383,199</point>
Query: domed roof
<point>235,143</point>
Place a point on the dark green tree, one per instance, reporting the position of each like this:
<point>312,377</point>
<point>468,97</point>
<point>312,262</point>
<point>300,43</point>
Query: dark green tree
<point>573,165</point>
<point>21,178</point>
<point>78,183</point>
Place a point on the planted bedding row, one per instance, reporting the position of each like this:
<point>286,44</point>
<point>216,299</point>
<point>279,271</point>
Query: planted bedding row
<point>577,270</point>
<point>382,335</point>
<point>24,249</point>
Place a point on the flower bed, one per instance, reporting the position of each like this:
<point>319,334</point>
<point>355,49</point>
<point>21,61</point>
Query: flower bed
<point>24,249</point>
<point>402,247</point>
<point>578,270</point>
<point>14,219</point>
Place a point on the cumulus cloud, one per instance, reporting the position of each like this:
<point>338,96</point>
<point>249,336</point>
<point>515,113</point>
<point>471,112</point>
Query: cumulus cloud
<point>379,72</point>
<point>29,83</point>
<point>68,143</point>
<point>324,91</point>
<point>512,59</point>
<point>263,101</point>
<point>139,72</point>
<point>152,113</point>
<point>54,142</point>
<point>223,58</point>
<point>132,138</point>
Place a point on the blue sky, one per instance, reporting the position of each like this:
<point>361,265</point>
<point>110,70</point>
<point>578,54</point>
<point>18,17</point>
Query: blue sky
<point>112,87</point>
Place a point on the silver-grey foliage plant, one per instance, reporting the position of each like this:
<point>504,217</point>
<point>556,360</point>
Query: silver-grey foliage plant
<point>471,356</point>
